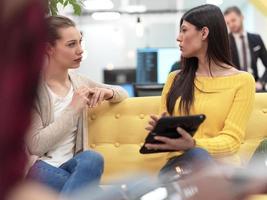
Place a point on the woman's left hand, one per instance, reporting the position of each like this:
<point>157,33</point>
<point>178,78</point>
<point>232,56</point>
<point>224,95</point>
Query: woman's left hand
<point>98,95</point>
<point>185,142</point>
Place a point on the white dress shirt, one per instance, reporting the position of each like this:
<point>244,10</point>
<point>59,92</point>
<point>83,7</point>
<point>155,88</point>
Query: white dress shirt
<point>238,42</point>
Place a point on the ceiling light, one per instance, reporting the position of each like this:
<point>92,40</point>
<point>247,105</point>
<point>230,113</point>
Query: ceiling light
<point>215,2</point>
<point>98,4</point>
<point>135,8</point>
<point>106,15</point>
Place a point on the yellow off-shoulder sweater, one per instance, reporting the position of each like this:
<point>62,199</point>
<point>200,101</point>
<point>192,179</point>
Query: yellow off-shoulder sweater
<point>227,103</point>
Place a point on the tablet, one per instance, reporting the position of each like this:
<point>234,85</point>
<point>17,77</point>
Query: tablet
<point>166,126</point>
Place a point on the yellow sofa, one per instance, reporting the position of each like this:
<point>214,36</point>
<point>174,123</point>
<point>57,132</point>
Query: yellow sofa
<point>117,132</point>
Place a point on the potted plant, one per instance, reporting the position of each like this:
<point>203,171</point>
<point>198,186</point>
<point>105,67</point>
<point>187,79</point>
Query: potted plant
<point>76,4</point>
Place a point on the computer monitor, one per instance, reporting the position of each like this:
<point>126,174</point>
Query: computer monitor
<point>129,88</point>
<point>154,64</point>
<point>124,77</point>
<point>120,76</point>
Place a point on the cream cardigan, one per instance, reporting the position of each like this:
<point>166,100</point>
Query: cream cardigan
<point>45,132</point>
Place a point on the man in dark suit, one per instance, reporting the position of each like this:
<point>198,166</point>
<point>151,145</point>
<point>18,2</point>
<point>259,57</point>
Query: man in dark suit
<point>246,47</point>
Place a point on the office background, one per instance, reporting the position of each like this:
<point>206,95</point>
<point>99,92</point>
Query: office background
<point>113,44</point>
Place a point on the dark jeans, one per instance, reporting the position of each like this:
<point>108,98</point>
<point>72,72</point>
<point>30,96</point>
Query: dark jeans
<point>179,166</point>
<point>83,169</point>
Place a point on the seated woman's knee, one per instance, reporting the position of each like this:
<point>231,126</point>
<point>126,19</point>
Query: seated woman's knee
<point>200,156</point>
<point>198,151</point>
<point>89,158</point>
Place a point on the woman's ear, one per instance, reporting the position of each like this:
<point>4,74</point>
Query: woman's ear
<point>49,49</point>
<point>205,32</point>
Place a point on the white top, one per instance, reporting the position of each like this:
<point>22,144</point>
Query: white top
<point>63,150</point>
<point>238,42</point>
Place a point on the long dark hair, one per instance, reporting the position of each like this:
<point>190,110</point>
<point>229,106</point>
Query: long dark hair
<point>218,51</point>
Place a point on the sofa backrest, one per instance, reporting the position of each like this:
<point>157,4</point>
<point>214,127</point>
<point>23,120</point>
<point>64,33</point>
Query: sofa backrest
<point>256,128</point>
<point>257,125</point>
<point>117,131</point>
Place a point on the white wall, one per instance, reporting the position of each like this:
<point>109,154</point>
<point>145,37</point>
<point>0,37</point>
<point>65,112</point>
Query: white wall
<point>116,42</point>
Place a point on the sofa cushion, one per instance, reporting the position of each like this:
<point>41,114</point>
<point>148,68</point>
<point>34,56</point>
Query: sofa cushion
<point>117,131</point>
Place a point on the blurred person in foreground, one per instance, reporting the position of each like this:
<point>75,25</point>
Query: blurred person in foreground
<point>220,183</point>
<point>246,48</point>
<point>23,32</point>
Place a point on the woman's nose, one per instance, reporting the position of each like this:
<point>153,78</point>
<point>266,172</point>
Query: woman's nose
<point>179,38</point>
<point>80,49</point>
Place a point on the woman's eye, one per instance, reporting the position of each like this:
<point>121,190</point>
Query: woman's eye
<point>71,44</point>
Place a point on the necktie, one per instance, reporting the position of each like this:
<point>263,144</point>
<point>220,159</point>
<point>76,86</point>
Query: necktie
<point>244,53</point>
